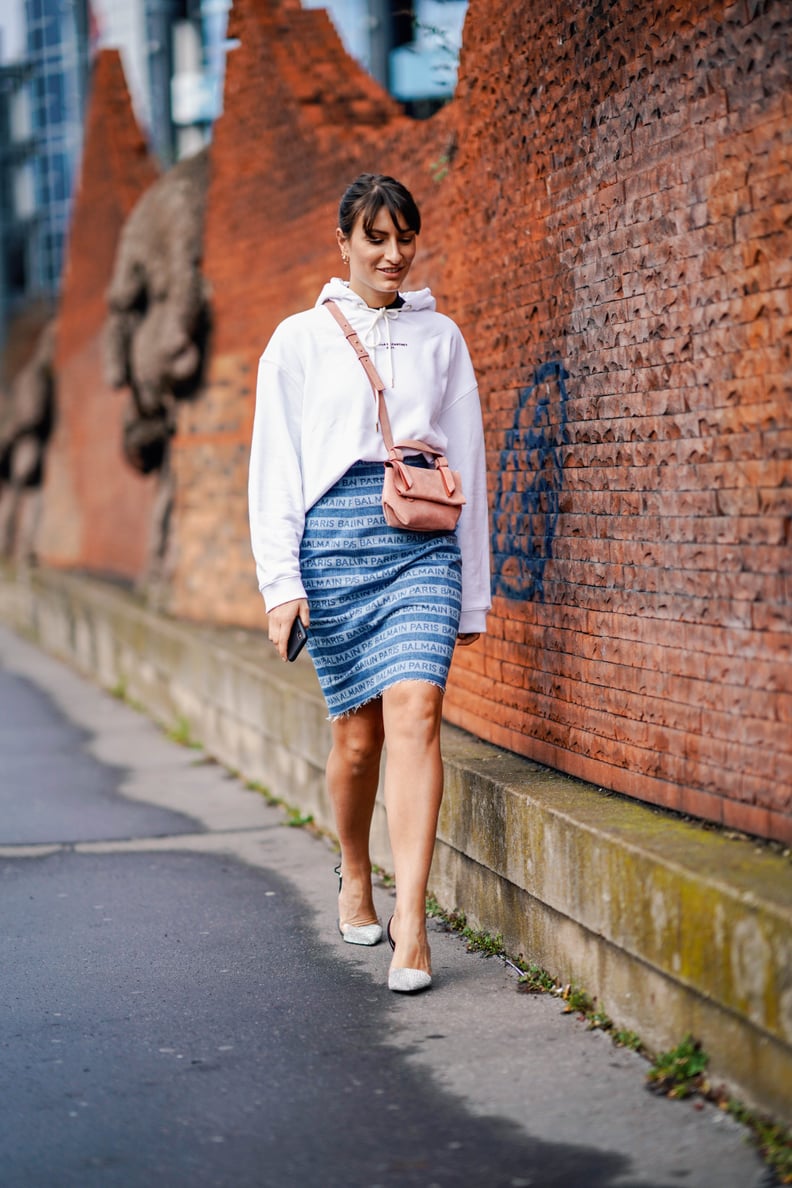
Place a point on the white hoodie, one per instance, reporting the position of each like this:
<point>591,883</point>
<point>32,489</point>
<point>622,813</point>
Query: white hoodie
<point>316,416</point>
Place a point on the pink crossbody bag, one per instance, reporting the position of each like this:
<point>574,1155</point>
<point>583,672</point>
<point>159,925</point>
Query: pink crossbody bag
<point>415,498</point>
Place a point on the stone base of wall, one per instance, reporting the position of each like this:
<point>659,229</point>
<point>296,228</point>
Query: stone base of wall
<point>672,927</point>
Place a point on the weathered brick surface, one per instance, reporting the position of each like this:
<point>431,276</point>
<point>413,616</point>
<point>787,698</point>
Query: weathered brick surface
<point>96,510</point>
<point>608,215</point>
<point>629,318</point>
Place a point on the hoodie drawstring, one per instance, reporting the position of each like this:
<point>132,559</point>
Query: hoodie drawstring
<point>372,335</point>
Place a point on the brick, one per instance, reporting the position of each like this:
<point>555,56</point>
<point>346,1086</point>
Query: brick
<point>748,818</point>
<point>96,509</point>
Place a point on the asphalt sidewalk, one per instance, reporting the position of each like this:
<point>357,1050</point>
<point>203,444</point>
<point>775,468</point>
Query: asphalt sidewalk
<point>473,1063</point>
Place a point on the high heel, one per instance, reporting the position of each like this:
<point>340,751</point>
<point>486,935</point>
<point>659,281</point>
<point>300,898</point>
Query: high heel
<point>358,934</point>
<point>409,981</point>
<point>361,934</point>
<point>406,981</point>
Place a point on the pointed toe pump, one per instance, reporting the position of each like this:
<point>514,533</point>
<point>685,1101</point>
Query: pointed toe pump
<point>406,981</point>
<point>361,934</point>
<point>409,981</point>
<point>358,934</point>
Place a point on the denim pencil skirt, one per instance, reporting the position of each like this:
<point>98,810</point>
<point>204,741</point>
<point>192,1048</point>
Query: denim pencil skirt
<point>384,602</point>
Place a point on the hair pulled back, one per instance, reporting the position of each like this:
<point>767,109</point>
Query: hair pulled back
<point>366,196</point>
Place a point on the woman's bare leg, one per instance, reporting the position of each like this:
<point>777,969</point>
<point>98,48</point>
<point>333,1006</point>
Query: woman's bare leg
<point>352,777</point>
<point>413,792</point>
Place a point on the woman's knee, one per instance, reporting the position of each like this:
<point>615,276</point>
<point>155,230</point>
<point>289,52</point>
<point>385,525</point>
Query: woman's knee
<point>413,709</point>
<point>358,740</point>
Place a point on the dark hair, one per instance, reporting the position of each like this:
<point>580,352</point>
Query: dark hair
<point>366,197</point>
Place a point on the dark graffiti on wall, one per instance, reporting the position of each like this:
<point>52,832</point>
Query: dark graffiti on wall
<point>527,496</point>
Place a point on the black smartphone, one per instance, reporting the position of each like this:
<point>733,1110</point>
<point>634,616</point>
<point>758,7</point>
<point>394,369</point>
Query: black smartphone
<point>297,637</point>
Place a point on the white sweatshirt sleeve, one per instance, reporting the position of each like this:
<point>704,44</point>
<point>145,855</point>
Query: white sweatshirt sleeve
<point>275,489</point>
<point>462,423</point>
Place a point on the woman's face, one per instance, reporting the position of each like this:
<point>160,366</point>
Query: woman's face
<point>378,262</point>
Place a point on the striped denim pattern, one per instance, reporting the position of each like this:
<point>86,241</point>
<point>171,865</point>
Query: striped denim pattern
<point>384,603</point>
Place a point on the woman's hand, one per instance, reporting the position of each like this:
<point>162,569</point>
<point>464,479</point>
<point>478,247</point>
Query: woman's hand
<point>280,619</point>
<point>466,638</point>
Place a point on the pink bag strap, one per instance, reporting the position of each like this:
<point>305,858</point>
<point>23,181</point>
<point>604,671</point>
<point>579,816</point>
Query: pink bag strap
<point>378,389</point>
<point>377,385</point>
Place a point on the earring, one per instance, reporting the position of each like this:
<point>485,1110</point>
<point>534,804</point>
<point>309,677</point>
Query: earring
<point>345,259</point>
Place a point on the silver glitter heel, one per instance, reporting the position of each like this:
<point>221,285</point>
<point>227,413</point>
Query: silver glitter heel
<point>406,981</point>
<point>358,934</point>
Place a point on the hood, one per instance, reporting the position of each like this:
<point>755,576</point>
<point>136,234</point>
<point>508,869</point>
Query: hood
<point>373,325</point>
<point>340,291</point>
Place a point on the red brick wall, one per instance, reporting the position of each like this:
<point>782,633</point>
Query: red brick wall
<point>608,216</point>
<point>96,509</point>
<point>626,294</point>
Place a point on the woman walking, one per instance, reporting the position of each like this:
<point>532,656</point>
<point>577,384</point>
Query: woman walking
<point>385,606</point>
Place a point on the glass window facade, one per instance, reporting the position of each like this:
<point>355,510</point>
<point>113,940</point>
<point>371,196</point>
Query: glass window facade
<point>17,188</point>
<point>57,54</point>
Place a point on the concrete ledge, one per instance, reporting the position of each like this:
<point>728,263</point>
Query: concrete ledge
<point>673,928</point>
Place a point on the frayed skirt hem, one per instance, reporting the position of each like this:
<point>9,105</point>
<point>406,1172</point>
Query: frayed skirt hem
<point>339,717</point>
